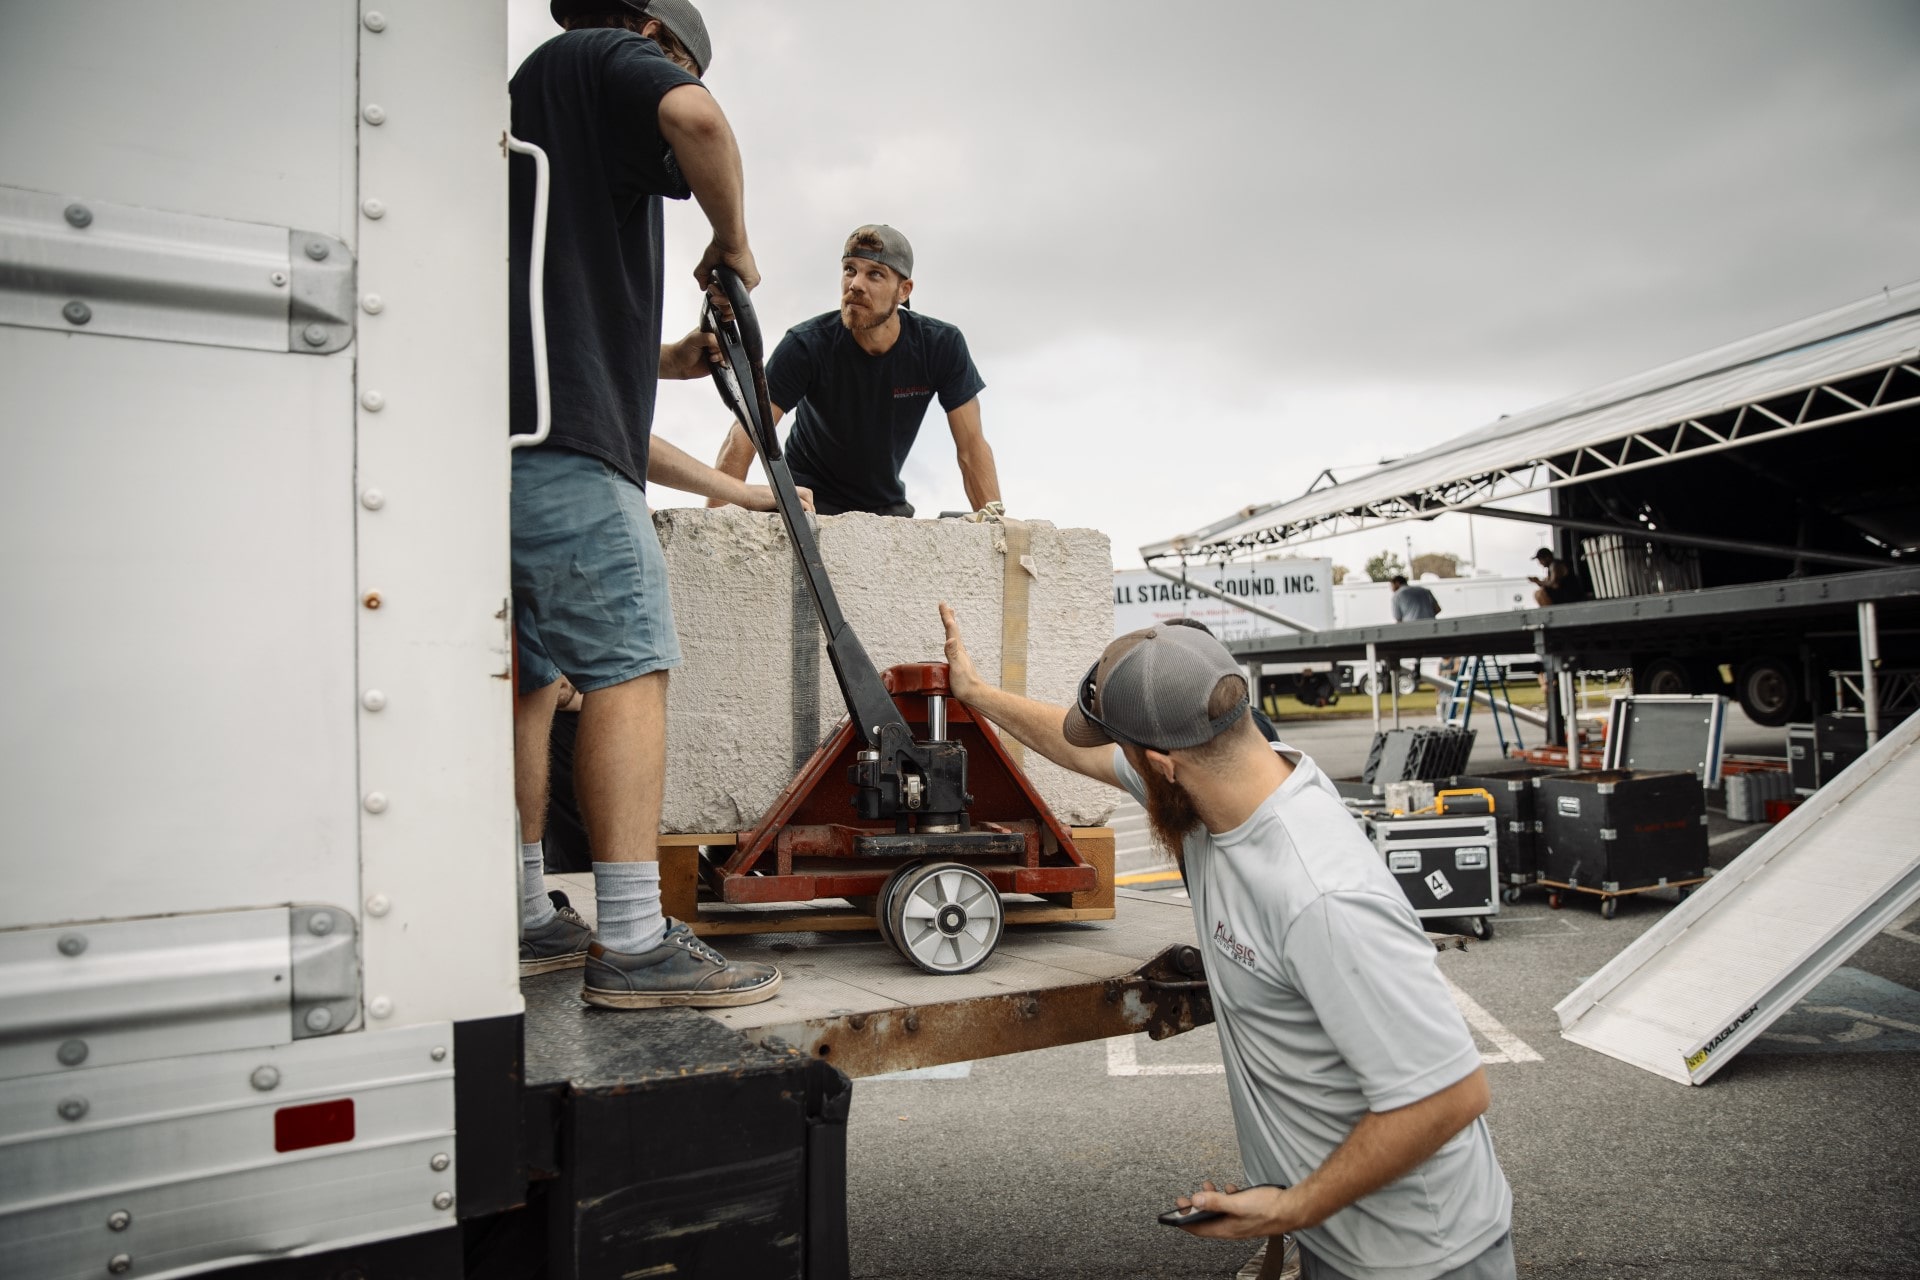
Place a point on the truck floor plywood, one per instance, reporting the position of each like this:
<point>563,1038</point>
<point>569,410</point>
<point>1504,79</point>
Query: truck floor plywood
<point>850,999</point>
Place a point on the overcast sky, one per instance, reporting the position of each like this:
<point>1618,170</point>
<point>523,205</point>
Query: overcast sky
<point>1203,250</point>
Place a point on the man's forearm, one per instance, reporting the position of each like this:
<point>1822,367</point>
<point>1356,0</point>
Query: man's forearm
<point>1038,726</point>
<point>1386,1146</point>
<point>709,158</point>
<point>979,475</point>
<point>674,468</point>
<point>736,455</point>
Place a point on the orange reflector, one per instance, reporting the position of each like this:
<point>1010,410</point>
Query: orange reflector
<point>318,1124</point>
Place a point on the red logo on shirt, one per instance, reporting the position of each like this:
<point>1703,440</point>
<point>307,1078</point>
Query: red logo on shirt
<point>1238,952</point>
<point>909,393</point>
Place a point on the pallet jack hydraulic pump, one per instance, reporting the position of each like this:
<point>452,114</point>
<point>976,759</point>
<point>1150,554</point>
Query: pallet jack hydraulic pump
<point>908,797</point>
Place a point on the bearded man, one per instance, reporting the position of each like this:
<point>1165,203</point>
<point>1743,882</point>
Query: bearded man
<point>1357,1090</point>
<point>859,381</point>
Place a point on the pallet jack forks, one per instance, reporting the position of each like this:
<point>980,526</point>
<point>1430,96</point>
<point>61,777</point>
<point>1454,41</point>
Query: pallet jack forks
<point>903,829</point>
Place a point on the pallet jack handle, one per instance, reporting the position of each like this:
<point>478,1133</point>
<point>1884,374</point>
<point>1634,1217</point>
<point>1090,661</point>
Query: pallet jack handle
<point>730,318</point>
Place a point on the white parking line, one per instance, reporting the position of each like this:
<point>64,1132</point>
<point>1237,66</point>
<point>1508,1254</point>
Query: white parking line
<point>1124,1060</point>
<point>1511,1047</point>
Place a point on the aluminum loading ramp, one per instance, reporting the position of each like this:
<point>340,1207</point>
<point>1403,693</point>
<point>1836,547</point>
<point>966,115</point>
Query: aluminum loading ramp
<point>1692,991</point>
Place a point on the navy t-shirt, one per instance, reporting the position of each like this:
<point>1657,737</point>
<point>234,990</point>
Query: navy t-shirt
<point>855,415</point>
<point>591,100</point>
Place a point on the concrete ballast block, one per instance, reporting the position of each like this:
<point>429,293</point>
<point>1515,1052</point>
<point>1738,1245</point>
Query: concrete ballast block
<point>734,740</point>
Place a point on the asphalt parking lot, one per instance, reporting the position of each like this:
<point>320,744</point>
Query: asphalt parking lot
<point>1800,1158</point>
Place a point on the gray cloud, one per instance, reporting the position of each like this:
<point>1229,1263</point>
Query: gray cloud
<point>1299,235</point>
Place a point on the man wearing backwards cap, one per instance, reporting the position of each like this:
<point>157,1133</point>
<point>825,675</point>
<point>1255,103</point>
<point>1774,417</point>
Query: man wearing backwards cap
<point>1357,1090</point>
<point>617,104</point>
<point>859,380</point>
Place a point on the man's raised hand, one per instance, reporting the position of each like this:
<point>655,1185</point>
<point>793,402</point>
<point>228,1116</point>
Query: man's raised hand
<point>963,678</point>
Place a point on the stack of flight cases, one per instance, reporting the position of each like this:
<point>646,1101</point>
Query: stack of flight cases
<point>1429,753</point>
<point>1615,832</point>
<point>1447,864</point>
<point>1513,812</point>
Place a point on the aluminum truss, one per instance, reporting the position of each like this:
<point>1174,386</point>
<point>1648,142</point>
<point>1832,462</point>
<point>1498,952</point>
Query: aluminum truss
<point>1830,402</point>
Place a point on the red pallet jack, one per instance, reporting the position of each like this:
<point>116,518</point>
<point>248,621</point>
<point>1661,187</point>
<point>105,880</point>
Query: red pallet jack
<point>911,802</point>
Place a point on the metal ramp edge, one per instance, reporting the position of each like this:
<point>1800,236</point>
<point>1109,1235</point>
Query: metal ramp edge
<point>1688,994</point>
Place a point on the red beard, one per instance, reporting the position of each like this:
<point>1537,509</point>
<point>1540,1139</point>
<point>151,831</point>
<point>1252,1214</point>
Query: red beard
<point>1170,814</point>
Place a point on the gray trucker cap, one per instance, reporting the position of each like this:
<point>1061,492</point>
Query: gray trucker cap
<point>891,249</point>
<point>1151,688</point>
<point>677,16</point>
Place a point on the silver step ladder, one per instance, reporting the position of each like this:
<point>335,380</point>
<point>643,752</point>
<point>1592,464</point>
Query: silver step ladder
<point>1692,991</point>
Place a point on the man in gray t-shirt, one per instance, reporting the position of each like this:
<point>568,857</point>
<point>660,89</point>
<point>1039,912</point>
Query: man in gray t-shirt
<point>1357,1090</point>
<point>1411,603</point>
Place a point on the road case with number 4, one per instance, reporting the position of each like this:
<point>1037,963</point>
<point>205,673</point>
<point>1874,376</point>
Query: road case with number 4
<point>1447,865</point>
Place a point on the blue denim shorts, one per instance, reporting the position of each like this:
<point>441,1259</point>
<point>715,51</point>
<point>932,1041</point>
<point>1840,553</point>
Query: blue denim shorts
<point>589,581</point>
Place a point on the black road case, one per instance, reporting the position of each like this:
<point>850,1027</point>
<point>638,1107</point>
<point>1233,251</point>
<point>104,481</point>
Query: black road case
<point>1803,759</point>
<point>1513,812</point>
<point>1447,866</point>
<point>1617,829</point>
<point>1839,738</point>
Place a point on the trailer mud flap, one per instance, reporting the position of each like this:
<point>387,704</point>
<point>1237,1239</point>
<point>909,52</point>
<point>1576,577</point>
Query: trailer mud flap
<point>829,1102</point>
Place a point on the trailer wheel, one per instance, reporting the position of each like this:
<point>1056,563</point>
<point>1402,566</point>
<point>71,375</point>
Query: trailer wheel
<point>1609,907</point>
<point>1315,689</point>
<point>945,917</point>
<point>1480,927</point>
<point>1665,676</point>
<point>1768,689</point>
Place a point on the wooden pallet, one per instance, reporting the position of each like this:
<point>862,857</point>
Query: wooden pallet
<point>683,897</point>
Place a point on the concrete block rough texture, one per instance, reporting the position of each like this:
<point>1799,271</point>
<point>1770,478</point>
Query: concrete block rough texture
<point>730,718</point>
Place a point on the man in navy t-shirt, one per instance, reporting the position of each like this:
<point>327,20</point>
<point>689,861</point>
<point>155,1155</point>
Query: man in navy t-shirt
<point>858,382</point>
<point>617,104</point>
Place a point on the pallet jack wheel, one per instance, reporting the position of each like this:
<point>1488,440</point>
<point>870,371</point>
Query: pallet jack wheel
<point>1480,927</point>
<point>883,904</point>
<point>945,917</point>
<point>1555,901</point>
<point>1608,908</point>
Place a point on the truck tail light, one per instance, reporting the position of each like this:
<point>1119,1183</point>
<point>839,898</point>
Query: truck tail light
<point>317,1124</point>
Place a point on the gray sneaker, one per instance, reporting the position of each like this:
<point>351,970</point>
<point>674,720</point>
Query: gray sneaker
<point>560,943</point>
<point>681,970</point>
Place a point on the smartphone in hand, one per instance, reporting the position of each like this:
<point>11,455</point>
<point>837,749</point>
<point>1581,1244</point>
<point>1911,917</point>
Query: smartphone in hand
<point>1188,1217</point>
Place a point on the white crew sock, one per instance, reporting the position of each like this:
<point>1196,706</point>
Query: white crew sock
<point>536,908</point>
<point>628,897</point>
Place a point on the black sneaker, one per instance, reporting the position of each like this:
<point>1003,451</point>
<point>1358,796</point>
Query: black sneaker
<point>560,943</point>
<point>681,970</point>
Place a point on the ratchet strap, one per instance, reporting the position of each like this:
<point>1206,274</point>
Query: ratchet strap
<point>1017,538</point>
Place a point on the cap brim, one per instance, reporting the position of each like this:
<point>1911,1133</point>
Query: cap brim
<point>1082,732</point>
